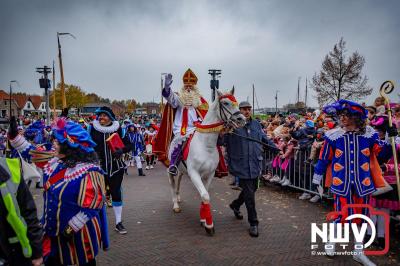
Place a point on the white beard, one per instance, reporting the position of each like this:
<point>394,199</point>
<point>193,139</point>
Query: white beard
<point>190,98</point>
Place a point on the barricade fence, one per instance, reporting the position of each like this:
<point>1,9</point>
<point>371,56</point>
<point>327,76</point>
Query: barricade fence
<point>299,173</point>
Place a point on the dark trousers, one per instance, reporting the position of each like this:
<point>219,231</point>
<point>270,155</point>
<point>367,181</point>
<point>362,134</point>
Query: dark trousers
<point>247,196</point>
<point>150,160</point>
<point>115,182</point>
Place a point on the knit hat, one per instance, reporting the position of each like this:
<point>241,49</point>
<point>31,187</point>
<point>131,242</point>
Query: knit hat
<point>74,135</point>
<point>106,110</point>
<point>309,123</point>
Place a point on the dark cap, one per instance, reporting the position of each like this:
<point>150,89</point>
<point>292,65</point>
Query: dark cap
<point>244,104</point>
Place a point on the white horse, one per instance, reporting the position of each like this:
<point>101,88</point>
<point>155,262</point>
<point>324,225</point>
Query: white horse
<point>203,156</point>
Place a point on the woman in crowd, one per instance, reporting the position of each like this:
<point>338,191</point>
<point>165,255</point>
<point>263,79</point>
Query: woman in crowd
<point>74,221</point>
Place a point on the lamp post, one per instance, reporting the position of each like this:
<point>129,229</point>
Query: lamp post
<point>44,83</point>
<point>214,82</point>
<point>12,81</point>
<point>64,101</point>
<point>8,146</point>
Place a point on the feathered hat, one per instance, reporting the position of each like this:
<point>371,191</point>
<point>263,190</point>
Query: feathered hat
<point>346,105</point>
<point>35,132</point>
<point>74,135</point>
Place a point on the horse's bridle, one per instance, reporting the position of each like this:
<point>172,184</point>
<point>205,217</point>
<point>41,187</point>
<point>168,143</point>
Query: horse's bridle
<point>223,111</point>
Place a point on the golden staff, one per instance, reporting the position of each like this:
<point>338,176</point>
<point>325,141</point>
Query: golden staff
<point>386,88</point>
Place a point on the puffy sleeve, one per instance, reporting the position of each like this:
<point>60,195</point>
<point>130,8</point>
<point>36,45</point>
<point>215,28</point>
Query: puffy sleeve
<point>22,146</point>
<point>90,199</point>
<point>171,97</point>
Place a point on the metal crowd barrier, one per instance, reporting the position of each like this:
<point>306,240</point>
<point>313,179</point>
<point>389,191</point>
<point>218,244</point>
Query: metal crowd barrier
<point>298,172</point>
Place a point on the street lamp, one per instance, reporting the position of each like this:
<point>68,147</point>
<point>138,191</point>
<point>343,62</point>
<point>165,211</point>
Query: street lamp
<point>214,82</point>
<point>64,101</point>
<point>44,83</point>
<point>276,102</point>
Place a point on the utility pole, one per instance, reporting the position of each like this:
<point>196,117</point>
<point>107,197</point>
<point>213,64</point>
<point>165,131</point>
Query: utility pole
<point>305,98</point>
<point>44,83</point>
<point>253,100</point>
<point>298,90</point>
<point>214,83</point>
<point>54,93</point>
<point>276,102</point>
<point>64,100</point>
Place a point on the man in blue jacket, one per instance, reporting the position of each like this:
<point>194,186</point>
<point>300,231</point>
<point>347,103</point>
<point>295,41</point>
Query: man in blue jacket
<point>245,156</point>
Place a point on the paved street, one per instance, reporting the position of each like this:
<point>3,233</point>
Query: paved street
<point>157,236</point>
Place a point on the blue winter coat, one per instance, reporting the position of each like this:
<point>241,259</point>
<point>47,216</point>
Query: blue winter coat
<point>245,156</point>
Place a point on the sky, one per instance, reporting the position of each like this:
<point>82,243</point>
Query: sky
<point>122,47</point>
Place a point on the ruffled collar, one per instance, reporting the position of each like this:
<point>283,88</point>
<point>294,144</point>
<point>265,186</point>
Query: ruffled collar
<point>336,133</point>
<point>109,129</point>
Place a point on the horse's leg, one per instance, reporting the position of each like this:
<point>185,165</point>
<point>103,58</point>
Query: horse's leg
<point>176,207</point>
<point>209,180</point>
<point>178,187</point>
<point>205,208</point>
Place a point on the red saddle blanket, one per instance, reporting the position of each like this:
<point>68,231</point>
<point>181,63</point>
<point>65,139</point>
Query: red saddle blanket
<point>222,169</point>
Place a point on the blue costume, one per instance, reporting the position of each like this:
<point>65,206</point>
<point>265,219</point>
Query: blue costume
<point>136,140</point>
<point>348,158</point>
<point>74,217</point>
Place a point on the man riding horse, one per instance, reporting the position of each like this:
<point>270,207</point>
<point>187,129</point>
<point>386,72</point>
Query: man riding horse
<point>183,111</point>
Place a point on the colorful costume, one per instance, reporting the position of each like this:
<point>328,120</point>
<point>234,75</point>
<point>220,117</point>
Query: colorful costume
<point>74,217</point>
<point>348,158</point>
<point>149,137</point>
<point>111,163</point>
<point>137,142</point>
<point>182,112</point>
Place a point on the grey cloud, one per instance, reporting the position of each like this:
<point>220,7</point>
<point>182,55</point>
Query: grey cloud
<point>123,46</point>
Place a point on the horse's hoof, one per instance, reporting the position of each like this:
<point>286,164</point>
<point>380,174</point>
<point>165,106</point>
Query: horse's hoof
<point>210,231</point>
<point>177,210</point>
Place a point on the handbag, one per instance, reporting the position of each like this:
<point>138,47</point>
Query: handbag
<point>29,170</point>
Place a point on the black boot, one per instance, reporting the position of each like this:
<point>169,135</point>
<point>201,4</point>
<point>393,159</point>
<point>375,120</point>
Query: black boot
<point>236,212</point>
<point>140,170</point>
<point>253,231</point>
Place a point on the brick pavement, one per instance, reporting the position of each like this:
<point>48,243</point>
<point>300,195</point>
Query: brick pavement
<point>157,236</point>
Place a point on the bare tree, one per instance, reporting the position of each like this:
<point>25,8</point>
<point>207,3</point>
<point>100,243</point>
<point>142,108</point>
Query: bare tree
<point>341,77</point>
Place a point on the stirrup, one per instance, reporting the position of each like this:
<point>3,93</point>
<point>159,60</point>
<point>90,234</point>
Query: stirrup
<point>173,170</point>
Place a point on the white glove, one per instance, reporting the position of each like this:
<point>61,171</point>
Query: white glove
<point>317,179</point>
<point>168,81</point>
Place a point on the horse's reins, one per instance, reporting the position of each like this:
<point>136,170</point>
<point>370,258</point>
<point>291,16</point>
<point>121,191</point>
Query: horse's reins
<point>254,140</point>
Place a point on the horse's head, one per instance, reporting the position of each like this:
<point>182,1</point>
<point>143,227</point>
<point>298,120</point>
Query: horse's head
<point>229,109</point>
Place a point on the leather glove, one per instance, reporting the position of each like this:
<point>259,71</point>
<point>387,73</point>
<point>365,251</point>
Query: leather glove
<point>168,81</point>
<point>13,129</point>
<point>118,153</point>
<point>392,131</point>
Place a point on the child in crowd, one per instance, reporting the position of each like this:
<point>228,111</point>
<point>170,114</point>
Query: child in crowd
<point>380,106</point>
